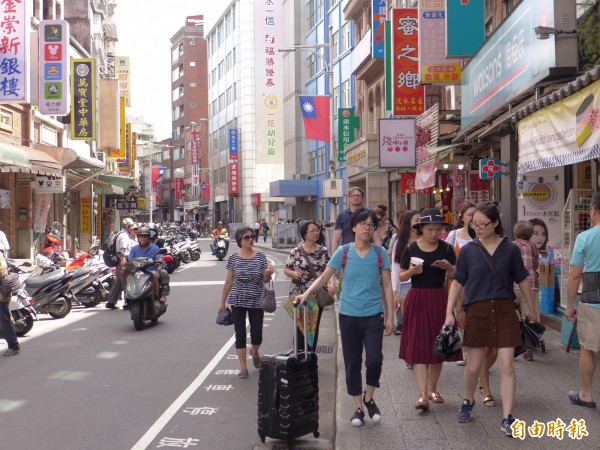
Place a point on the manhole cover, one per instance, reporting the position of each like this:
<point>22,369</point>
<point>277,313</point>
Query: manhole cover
<point>327,349</point>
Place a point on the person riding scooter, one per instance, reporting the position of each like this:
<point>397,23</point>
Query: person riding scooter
<point>146,249</point>
<point>219,231</point>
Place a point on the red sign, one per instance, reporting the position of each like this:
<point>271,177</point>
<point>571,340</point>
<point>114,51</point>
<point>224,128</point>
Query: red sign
<point>409,95</point>
<point>255,199</point>
<point>194,146</point>
<point>179,189</point>
<point>407,184</point>
<point>234,187</point>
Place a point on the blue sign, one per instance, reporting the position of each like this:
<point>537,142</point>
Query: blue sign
<point>378,28</point>
<point>508,64</point>
<point>53,71</point>
<point>465,27</point>
<point>490,168</point>
<point>233,143</point>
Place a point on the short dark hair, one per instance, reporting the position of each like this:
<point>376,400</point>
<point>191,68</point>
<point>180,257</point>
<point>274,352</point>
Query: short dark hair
<point>491,211</point>
<point>362,214</point>
<point>595,203</point>
<point>304,227</point>
<point>239,234</point>
<point>523,230</point>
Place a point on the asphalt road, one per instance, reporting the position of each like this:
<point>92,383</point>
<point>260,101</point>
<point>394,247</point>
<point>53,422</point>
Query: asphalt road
<point>90,381</point>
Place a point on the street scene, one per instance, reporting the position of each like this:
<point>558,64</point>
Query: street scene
<point>317,224</point>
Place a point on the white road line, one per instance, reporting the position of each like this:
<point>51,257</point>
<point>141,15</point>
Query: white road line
<point>162,421</point>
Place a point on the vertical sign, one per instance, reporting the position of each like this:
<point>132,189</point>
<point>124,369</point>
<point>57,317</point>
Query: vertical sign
<point>233,144</point>
<point>433,65</point>
<point>98,217</point>
<point>465,27</point>
<point>86,216</point>
<point>54,68</point>
<point>378,28</point>
<point>347,122</point>
<point>233,179</point>
<point>119,153</point>
<point>268,75</point>
<point>122,75</point>
<point>409,95</point>
<point>194,147</point>
<point>179,189</point>
<point>397,143</point>
<point>15,21</point>
<point>83,99</point>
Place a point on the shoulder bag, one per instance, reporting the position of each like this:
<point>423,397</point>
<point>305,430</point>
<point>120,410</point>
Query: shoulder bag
<point>267,300</point>
<point>504,283</point>
<point>323,297</point>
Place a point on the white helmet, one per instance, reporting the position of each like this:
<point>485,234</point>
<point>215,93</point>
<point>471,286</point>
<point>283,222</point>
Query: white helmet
<point>127,222</point>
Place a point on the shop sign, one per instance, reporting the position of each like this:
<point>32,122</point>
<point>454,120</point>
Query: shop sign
<point>54,67</point>
<point>564,133</point>
<point>479,190</point>
<point>508,64</point>
<point>397,143</point>
<point>86,215</point>
<point>434,68</point>
<point>347,122</point>
<point>356,156</point>
<point>425,177</point>
<point>408,184</point>
<point>233,144</point>
<point>379,15</point>
<point>48,184</point>
<point>194,147</point>
<point>83,99</point>
<point>490,168</point>
<point>255,199</point>
<point>233,179</point>
<point>465,27</point>
<point>179,189</point>
<point>15,19</point>
<point>122,74</point>
<point>408,93</point>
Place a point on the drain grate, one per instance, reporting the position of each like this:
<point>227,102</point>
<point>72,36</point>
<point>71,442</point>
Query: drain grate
<point>326,349</point>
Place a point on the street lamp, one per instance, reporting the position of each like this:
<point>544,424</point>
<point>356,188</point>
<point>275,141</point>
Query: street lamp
<point>329,66</point>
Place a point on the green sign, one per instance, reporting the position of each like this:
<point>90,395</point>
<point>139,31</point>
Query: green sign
<point>347,122</point>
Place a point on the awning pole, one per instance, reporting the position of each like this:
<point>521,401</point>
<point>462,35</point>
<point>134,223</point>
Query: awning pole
<point>88,178</point>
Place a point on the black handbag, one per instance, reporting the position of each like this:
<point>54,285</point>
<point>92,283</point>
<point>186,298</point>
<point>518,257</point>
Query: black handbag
<point>323,298</point>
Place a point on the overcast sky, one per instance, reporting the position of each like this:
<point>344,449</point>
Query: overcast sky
<point>145,29</point>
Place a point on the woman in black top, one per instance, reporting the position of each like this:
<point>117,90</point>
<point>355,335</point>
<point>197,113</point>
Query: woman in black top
<point>424,308</point>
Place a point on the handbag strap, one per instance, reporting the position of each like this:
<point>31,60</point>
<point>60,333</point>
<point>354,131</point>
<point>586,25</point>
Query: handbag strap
<point>308,261</point>
<point>492,268</point>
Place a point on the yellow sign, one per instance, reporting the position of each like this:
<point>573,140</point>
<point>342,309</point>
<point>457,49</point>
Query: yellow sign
<point>141,203</point>
<point>535,194</point>
<point>86,216</point>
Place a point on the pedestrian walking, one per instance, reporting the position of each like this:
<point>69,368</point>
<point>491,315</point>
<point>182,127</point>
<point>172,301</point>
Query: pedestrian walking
<point>298,268</point>
<point>363,317</point>
<point>342,233</point>
<point>426,262</point>
<point>381,212</point>
<point>247,271</point>
<point>126,240</point>
<point>487,267</point>
<point>6,327</point>
<point>256,230</point>
<point>265,229</point>
<point>586,252</point>
<point>4,244</point>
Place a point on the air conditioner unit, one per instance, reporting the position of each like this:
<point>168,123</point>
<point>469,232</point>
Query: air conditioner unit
<point>192,105</point>
<point>192,43</point>
<point>300,176</point>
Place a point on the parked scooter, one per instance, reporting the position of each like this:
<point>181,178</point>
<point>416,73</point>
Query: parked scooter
<point>221,247</point>
<point>50,293</point>
<point>195,251</point>
<point>22,311</point>
<point>139,292</point>
<point>53,246</point>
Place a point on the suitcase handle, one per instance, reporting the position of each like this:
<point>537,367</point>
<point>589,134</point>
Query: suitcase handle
<point>294,334</point>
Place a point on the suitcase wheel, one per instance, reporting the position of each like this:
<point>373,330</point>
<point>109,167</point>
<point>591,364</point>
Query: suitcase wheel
<point>262,438</point>
<point>316,434</point>
<point>543,345</point>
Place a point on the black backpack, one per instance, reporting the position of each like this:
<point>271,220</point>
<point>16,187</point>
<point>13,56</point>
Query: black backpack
<point>111,259</point>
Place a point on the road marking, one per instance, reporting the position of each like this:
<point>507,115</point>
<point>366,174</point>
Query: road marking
<point>162,421</point>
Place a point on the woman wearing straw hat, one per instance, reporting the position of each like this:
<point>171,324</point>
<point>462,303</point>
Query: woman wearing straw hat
<point>427,262</point>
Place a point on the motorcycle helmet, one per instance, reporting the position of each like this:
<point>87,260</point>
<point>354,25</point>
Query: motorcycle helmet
<point>144,231</point>
<point>448,343</point>
<point>220,223</point>
<point>153,230</point>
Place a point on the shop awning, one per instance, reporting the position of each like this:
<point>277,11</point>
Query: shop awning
<point>42,163</point>
<point>70,159</point>
<point>13,158</point>
<point>123,182</point>
<point>111,189</point>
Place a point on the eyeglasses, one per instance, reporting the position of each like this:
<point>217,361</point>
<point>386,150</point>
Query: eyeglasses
<point>248,237</point>
<point>367,225</point>
<point>356,196</point>
<point>479,226</point>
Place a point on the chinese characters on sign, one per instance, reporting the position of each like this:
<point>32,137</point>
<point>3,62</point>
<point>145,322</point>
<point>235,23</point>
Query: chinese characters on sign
<point>122,75</point>
<point>558,429</point>
<point>179,189</point>
<point>347,122</point>
<point>397,143</point>
<point>233,144</point>
<point>54,73</point>
<point>195,147</point>
<point>86,215</point>
<point>15,20</point>
<point>83,99</point>
<point>233,179</point>
<point>407,184</point>
<point>378,27</point>
<point>408,94</point>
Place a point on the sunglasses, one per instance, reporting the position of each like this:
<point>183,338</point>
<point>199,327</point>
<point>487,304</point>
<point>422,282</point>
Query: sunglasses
<point>248,238</point>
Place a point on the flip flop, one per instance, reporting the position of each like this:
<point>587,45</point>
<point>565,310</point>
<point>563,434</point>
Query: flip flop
<point>489,400</point>
<point>574,397</point>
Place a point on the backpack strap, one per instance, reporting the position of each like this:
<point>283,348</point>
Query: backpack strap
<point>378,250</point>
<point>345,255</point>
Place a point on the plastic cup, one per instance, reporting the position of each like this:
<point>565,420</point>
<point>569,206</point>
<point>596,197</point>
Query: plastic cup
<point>416,261</point>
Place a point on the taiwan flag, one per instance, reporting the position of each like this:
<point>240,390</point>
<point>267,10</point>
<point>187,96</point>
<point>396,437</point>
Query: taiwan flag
<point>315,112</point>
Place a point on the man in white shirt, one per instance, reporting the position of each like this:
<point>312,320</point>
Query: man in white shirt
<point>4,245</point>
<point>126,240</point>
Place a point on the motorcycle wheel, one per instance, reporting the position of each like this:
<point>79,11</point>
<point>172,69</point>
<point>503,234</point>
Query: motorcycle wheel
<point>26,319</point>
<point>170,268</point>
<point>94,301</point>
<point>220,255</point>
<point>186,258</point>
<point>195,255</point>
<point>61,311</point>
<point>176,262</point>
<point>137,315</point>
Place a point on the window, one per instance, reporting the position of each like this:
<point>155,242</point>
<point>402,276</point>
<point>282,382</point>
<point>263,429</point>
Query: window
<point>334,45</point>
<point>166,154</point>
<point>321,153</point>
<point>490,16</point>
<point>312,162</point>
<point>312,66</point>
<point>180,49</point>
<point>346,101</point>
<point>214,76</point>
<point>175,74</point>
<point>336,99</point>
<point>192,84</point>
<point>230,97</point>
<point>174,55</point>
<point>320,13</point>
<point>221,102</point>
<point>192,63</point>
<point>345,37</point>
<point>320,59</point>
<point>312,19</point>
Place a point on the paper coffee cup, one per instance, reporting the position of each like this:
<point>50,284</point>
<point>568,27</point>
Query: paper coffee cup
<point>416,261</point>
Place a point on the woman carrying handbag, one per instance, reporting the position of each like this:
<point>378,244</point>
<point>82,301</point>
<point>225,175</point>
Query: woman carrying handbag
<point>304,265</point>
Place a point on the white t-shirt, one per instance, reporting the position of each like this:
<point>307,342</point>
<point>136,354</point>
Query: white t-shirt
<point>4,245</point>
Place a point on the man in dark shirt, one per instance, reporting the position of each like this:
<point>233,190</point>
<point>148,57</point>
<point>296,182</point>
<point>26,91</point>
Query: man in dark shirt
<point>342,234</point>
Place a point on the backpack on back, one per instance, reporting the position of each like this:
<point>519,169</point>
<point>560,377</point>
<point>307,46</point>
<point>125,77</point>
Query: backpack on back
<point>111,259</point>
<point>377,252</point>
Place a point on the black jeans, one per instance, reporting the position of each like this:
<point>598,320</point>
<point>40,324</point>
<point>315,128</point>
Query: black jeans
<point>6,328</point>
<point>255,317</point>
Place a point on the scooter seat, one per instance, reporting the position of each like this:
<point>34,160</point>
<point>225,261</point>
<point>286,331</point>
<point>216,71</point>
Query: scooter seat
<point>43,280</point>
<point>81,271</point>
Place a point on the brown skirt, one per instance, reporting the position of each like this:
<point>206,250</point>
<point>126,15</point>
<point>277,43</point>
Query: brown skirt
<point>492,323</point>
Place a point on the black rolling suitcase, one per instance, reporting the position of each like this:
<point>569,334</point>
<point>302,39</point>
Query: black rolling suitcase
<point>288,394</point>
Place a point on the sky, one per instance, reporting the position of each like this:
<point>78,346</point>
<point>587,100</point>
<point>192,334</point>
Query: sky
<point>144,30</point>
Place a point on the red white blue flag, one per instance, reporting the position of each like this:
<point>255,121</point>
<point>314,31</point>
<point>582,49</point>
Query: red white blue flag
<point>315,112</point>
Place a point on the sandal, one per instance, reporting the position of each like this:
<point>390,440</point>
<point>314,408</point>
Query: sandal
<point>489,400</point>
<point>256,361</point>
<point>435,397</point>
<point>422,403</point>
